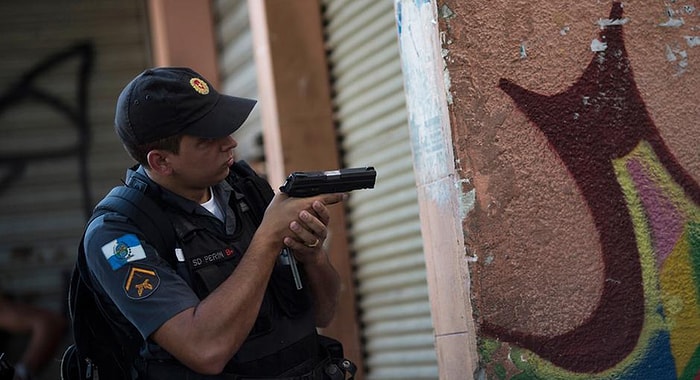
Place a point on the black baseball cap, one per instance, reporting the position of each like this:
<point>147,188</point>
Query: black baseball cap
<point>166,101</point>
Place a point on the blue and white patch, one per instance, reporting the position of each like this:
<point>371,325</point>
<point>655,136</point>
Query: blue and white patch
<point>123,250</point>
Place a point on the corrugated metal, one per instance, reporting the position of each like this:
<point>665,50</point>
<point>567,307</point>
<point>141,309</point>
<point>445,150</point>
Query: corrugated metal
<point>43,206</point>
<point>237,66</point>
<point>385,226</point>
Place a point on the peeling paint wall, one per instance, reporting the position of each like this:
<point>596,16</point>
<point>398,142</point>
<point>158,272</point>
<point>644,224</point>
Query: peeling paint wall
<point>576,132</point>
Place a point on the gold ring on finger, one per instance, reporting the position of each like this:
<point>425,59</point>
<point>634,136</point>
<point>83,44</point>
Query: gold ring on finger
<point>312,245</point>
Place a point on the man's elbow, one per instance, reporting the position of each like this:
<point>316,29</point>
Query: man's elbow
<point>206,364</point>
<point>324,317</point>
<point>207,357</point>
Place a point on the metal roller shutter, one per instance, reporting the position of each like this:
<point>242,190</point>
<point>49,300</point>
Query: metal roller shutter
<point>385,227</point>
<point>42,197</point>
<point>237,66</point>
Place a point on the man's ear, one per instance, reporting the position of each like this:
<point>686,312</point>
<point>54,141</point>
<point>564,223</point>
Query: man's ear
<point>158,161</point>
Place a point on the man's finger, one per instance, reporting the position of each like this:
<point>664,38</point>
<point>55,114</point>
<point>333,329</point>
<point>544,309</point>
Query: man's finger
<point>321,212</point>
<point>330,199</point>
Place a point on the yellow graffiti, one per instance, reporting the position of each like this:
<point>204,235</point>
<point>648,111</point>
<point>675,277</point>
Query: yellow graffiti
<point>669,283</point>
<point>680,303</point>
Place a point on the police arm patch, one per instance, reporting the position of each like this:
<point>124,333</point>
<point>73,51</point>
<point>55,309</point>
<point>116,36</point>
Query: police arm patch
<point>141,282</point>
<point>123,250</point>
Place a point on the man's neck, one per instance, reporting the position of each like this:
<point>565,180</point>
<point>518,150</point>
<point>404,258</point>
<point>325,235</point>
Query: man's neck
<point>199,195</point>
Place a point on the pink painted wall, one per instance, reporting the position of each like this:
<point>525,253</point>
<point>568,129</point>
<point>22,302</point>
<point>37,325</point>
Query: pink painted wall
<point>577,127</point>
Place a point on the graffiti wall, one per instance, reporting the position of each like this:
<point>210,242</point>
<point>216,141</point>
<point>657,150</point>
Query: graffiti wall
<point>576,125</point>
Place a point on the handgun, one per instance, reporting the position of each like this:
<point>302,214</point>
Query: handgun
<point>308,184</point>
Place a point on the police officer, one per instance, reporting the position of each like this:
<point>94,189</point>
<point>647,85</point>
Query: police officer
<point>222,305</point>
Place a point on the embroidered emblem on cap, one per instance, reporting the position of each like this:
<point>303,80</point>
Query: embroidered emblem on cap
<point>199,85</point>
<point>141,282</point>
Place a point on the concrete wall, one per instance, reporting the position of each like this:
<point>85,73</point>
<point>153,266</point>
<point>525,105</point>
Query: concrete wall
<point>576,127</point>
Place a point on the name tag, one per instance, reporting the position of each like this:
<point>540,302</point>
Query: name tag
<point>213,257</point>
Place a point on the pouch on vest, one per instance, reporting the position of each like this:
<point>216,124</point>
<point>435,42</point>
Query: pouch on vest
<point>215,259</point>
<point>292,301</point>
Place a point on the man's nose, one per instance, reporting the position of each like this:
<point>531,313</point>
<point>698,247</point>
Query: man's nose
<point>230,142</point>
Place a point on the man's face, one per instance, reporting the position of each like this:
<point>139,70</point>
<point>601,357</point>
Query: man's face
<point>202,162</point>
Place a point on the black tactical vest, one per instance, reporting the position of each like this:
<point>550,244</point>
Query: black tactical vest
<point>283,339</point>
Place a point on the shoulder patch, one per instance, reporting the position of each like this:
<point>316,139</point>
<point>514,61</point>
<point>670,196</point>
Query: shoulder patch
<point>141,282</point>
<point>123,250</point>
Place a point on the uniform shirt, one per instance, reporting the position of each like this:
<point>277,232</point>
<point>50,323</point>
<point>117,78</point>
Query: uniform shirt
<point>133,278</point>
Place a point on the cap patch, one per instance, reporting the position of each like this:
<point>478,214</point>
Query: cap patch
<point>199,85</point>
<point>123,250</point>
<point>141,282</point>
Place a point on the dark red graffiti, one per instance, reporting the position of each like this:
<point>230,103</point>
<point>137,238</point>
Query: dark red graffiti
<point>599,118</point>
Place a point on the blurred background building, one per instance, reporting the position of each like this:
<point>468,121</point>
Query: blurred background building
<point>65,63</point>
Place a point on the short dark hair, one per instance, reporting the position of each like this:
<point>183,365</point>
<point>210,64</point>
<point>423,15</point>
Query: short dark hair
<point>139,152</point>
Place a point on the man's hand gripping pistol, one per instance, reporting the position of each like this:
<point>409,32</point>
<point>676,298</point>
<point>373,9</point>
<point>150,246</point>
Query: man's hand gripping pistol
<point>308,184</point>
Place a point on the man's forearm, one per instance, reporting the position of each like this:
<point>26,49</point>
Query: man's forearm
<point>324,282</point>
<point>206,337</point>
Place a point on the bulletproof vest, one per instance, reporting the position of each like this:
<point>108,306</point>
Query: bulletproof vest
<point>284,333</point>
